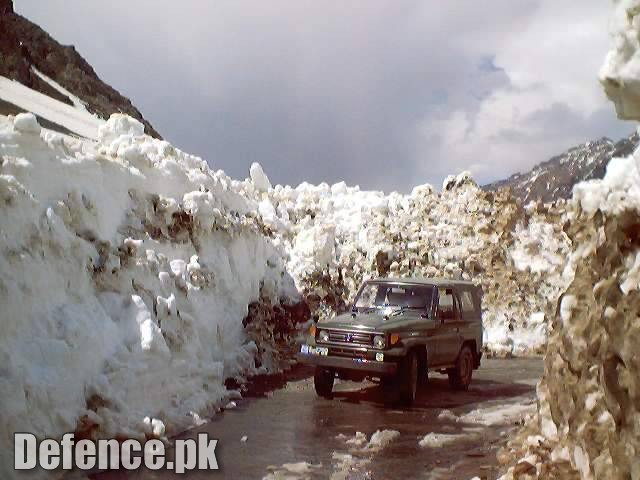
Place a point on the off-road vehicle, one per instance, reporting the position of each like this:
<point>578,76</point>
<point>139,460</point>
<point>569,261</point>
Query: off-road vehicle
<point>398,330</point>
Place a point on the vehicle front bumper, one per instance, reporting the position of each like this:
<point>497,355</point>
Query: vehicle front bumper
<point>346,363</point>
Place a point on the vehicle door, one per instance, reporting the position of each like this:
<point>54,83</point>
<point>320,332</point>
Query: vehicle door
<point>471,326</point>
<point>449,321</point>
<point>421,302</point>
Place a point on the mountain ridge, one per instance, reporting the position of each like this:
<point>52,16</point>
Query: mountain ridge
<point>553,179</point>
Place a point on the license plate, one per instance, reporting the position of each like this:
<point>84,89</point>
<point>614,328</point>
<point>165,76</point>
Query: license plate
<point>310,350</point>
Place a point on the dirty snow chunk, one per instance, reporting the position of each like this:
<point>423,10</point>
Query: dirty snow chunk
<point>156,425</point>
<point>347,466</point>
<point>381,438</point>
<point>26,123</point>
<point>291,470</point>
<point>259,178</point>
<point>447,415</point>
<point>568,304</point>
<point>439,439</point>
<point>500,414</point>
<point>358,440</point>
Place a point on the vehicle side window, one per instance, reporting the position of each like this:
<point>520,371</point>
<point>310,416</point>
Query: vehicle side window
<point>466,299</point>
<point>447,304</point>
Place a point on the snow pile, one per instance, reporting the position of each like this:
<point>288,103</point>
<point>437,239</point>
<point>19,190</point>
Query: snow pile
<point>338,236</point>
<point>126,270</point>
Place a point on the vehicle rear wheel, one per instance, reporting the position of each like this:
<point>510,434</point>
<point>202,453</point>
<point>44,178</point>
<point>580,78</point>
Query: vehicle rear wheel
<point>323,382</point>
<point>423,372</point>
<point>408,378</point>
<point>460,376</point>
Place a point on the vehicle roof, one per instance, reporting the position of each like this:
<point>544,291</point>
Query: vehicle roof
<point>437,281</point>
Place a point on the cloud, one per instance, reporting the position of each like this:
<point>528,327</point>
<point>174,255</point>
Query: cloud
<point>550,101</point>
<point>378,93</point>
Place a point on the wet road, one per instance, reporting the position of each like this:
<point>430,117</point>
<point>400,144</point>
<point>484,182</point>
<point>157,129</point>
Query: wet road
<point>291,425</point>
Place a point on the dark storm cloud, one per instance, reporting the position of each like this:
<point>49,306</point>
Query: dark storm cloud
<point>315,91</point>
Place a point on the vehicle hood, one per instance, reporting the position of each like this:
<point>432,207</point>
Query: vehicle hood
<point>366,321</point>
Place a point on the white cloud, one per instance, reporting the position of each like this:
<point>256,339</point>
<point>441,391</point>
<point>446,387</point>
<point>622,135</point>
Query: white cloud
<point>552,99</point>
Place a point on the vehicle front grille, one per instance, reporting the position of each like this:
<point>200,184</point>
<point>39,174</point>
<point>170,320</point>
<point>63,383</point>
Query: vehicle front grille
<point>351,353</point>
<point>357,338</point>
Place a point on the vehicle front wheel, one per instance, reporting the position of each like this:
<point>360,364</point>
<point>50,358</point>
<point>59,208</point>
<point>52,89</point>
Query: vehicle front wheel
<point>460,376</point>
<point>408,378</point>
<point>323,382</point>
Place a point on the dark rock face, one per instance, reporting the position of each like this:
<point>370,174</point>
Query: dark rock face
<point>6,7</point>
<point>555,178</point>
<point>25,44</point>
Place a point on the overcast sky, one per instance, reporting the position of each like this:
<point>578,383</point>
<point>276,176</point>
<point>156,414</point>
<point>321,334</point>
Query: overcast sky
<point>384,94</point>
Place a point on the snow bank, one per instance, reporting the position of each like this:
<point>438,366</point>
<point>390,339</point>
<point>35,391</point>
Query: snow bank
<point>588,407</point>
<point>588,420</point>
<point>126,269</point>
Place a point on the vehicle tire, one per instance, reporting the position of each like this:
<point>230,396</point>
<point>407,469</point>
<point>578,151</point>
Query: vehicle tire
<point>323,382</point>
<point>408,379</point>
<point>460,376</point>
<point>423,373</point>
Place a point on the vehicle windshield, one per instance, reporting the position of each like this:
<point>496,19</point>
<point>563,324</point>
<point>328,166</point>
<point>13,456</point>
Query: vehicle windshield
<point>379,295</point>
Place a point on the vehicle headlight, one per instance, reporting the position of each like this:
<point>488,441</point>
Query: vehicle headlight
<point>323,336</point>
<point>379,342</point>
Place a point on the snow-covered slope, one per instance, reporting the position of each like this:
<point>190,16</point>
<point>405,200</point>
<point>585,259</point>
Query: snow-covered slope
<point>554,179</point>
<point>75,119</point>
